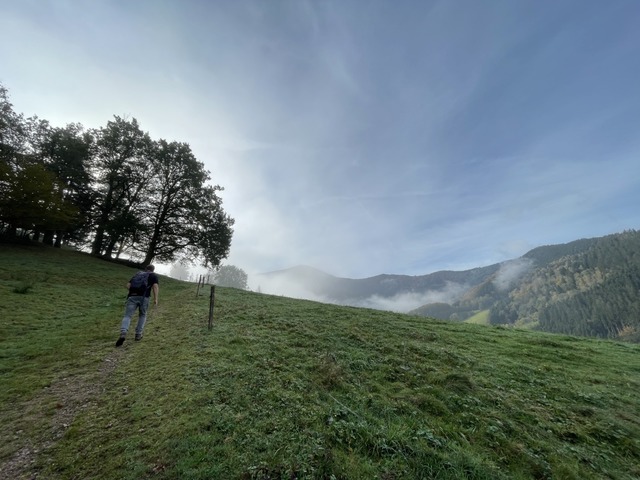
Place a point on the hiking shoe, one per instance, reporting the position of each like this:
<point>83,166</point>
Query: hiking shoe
<point>138,338</point>
<point>120,340</point>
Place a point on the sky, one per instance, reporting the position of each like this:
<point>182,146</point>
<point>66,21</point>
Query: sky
<point>362,137</point>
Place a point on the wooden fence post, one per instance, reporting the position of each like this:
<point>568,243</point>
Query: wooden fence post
<point>212,300</point>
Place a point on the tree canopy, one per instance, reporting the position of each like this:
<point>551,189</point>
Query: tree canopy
<point>113,190</point>
<point>230,276</point>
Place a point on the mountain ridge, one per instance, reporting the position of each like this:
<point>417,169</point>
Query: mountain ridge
<point>351,291</point>
<point>506,291</point>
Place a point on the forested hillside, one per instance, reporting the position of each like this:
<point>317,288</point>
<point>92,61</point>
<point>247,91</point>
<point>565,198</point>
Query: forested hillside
<point>589,287</point>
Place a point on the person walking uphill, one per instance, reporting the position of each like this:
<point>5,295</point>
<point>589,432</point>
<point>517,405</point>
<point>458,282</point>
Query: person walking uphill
<point>140,287</point>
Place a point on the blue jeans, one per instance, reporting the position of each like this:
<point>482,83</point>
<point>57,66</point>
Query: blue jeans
<point>136,302</point>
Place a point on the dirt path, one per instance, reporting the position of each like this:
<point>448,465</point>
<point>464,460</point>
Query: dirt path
<point>71,395</point>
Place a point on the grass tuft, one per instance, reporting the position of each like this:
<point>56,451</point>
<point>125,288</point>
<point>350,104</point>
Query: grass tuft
<point>329,372</point>
<point>23,288</point>
<point>457,382</point>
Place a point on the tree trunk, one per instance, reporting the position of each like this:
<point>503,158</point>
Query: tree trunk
<point>48,237</point>
<point>104,218</point>
<point>151,251</point>
<point>153,245</point>
<point>109,250</point>
<point>97,242</point>
<point>148,258</point>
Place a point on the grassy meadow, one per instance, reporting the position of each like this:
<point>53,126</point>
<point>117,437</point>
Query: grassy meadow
<point>292,389</point>
<point>480,318</point>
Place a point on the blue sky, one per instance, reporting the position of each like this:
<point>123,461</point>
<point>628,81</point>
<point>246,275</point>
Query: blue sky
<point>362,137</point>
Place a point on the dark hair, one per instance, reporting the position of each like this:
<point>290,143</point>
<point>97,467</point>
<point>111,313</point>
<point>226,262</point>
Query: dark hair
<point>150,268</point>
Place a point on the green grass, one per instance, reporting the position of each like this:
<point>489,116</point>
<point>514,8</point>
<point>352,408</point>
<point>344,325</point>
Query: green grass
<point>284,388</point>
<point>480,318</point>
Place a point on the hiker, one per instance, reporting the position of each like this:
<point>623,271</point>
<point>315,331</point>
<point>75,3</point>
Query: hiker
<point>140,287</point>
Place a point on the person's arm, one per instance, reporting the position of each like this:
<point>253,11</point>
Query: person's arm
<point>156,289</point>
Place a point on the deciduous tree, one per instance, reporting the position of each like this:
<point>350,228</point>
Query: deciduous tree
<point>230,276</point>
<point>122,161</point>
<point>186,216</point>
<point>179,271</point>
<point>34,200</point>
<point>67,152</point>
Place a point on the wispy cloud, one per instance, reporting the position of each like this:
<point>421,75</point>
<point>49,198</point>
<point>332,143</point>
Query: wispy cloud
<point>406,302</point>
<point>511,272</point>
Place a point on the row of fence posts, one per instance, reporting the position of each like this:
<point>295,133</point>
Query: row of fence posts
<point>202,279</point>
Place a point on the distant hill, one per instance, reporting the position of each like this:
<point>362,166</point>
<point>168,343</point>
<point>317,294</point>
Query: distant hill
<point>308,282</point>
<point>588,287</point>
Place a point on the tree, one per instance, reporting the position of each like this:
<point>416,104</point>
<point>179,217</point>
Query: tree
<point>122,162</point>
<point>213,237</point>
<point>230,276</point>
<point>179,271</point>
<point>33,200</point>
<point>12,139</point>
<point>186,216</point>
<point>112,188</point>
<point>31,197</point>
<point>13,131</point>
<point>173,201</point>
<point>67,152</point>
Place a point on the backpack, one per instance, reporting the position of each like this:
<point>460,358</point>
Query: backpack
<point>139,283</point>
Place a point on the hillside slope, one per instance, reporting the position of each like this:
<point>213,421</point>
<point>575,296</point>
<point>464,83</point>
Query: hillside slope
<point>284,388</point>
<point>589,287</point>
